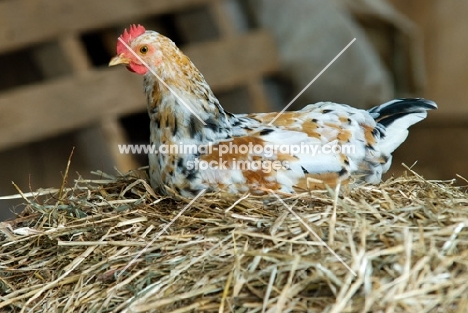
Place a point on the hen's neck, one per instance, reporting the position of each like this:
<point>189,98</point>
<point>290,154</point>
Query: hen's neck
<point>182,100</point>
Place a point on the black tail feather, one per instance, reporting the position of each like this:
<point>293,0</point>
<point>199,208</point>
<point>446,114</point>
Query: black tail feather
<point>391,111</point>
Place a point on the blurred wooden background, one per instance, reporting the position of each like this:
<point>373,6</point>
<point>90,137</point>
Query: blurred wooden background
<point>57,93</point>
<point>441,143</point>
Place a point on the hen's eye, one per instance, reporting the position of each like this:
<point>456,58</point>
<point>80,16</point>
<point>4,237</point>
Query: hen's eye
<point>144,49</point>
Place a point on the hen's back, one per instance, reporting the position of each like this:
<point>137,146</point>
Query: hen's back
<point>329,143</point>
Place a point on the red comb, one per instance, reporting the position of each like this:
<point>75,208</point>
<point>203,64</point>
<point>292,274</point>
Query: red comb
<point>127,36</point>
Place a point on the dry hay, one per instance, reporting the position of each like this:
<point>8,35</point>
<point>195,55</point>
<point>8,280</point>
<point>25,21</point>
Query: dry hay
<point>108,245</point>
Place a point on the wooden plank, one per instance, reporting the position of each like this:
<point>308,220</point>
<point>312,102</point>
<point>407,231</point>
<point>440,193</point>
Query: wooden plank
<point>445,33</point>
<point>447,73</point>
<point>196,25</point>
<point>37,111</point>
<point>254,85</point>
<point>25,22</point>
<point>100,140</point>
<point>66,56</point>
<point>232,62</point>
<point>75,52</point>
<point>97,145</point>
<point>114,134</point>
<point>258,96</point>
<point>223,19</point>
<point>50,61</point>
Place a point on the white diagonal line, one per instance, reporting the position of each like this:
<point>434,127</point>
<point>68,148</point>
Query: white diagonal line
<point>313,80</point>
<point>161,232</point>
<point>299,218</point>
<point>160,79</point>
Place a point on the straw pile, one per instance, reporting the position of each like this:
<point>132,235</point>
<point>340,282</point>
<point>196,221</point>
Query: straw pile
<point>112,245</point>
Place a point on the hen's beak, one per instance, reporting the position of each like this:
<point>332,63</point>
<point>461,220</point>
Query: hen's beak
<point>119,59</point>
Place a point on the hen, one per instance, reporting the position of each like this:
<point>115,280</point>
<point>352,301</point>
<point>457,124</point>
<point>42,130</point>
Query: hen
<point>202,146</point>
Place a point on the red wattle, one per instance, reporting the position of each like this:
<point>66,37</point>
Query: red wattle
<point>137,68</point>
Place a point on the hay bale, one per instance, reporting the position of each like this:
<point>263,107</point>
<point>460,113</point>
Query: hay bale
<point>112,245</point>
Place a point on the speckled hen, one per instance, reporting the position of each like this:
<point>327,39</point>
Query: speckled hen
<point>323,144</point>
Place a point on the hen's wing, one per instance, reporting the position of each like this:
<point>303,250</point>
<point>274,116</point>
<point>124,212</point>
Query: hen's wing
<point>300,150</point>
<point>324,143</point>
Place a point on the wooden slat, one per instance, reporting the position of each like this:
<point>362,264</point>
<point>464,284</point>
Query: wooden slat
<point>233,61</point>
<point>258,95</point>
<point>42,110</point>
<point>24,22</point>
<point>254,85</point>
<point>75,52</point>
<point>114,134</point>
<point>221,17</point>
<point>38,111</point>
<point>445,33</point>
<point>108,132</point>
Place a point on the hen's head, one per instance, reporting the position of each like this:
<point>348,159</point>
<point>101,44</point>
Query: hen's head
<point>137,48</point>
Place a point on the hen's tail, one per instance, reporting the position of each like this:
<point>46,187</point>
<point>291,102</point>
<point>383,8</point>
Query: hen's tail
<point>396,116</point>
